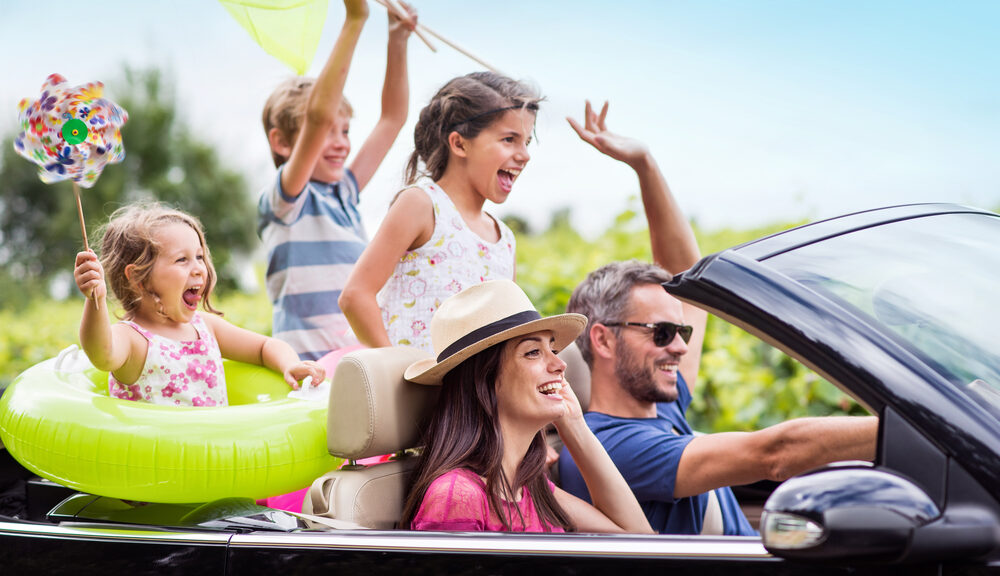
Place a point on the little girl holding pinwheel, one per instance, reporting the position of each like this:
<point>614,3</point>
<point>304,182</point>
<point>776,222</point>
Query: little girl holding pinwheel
<point>164,351</point>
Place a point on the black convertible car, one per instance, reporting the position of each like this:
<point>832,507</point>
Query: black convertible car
<point>893,306</point>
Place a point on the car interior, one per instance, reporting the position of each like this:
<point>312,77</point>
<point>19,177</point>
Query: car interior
<point>373,411</point>
<point>374,424</point>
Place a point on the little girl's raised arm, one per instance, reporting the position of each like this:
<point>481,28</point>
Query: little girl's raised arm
<point>236,343</point>
<point>107,348</point>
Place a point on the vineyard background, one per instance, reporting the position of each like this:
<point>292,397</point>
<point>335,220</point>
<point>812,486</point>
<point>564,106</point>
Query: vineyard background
<point>744,383</point>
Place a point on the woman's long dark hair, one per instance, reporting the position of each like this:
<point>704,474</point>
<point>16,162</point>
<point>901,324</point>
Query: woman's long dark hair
<point>464,432</point>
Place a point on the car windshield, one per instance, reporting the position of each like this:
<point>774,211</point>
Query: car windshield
<point>930,281</point>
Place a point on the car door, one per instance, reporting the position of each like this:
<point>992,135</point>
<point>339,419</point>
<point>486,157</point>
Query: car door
<point>832,296</point>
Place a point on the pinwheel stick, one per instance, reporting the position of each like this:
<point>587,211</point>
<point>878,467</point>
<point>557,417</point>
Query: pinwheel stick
<point>83,230</point>
<point>79,212</point>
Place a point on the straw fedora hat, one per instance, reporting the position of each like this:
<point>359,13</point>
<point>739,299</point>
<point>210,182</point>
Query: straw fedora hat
<point>481,316</point>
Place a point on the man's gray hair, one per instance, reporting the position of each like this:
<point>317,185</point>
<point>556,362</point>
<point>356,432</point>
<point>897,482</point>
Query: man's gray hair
<point>605,295</point>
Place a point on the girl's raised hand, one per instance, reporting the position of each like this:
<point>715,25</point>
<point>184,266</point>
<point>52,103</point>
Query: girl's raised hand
<point>595,132</point>
<point>296,373</point>
<point>89,275</point>
<point>400,24</point>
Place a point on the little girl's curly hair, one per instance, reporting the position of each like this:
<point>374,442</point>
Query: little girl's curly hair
<point>129,238</point>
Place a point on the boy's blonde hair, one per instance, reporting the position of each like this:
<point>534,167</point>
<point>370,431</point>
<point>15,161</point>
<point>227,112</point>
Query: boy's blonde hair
<point>129,238</point>
<point>286,107</point>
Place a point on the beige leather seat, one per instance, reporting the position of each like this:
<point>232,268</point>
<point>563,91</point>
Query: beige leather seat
<point>373,411</point>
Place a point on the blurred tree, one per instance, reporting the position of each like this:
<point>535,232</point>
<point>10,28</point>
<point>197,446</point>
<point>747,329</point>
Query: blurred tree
<point>561,219</point>
<point>165,161</point>
<point>518,224</point>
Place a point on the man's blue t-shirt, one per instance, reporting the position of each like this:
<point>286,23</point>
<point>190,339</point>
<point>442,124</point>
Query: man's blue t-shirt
<point>647,451</point>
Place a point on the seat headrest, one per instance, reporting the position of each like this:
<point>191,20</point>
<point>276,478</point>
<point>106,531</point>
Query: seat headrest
<point>577,373</point>
<point>373,410</point>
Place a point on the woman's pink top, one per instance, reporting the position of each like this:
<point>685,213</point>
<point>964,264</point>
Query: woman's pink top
<point>457,500</point>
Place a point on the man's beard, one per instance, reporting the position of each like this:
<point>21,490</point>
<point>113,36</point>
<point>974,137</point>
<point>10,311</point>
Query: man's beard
<point>638,379</point>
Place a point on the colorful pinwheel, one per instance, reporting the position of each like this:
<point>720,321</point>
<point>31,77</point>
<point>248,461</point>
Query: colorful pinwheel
<point>72,133</point>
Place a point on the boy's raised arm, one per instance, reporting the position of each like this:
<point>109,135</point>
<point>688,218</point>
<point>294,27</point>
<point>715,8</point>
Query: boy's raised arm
<point>324,102</point>
<point>395,100</point>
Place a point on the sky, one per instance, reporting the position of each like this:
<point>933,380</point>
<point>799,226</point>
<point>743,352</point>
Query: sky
<point>756,111</point>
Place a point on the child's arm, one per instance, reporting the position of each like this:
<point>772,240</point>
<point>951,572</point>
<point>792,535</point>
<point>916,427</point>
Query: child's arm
<point>395,101</point>
<point>408,225</point>
<point>673,242</point>
<point>108,347</point>
<point>324,102</point>
<point>243,345</point>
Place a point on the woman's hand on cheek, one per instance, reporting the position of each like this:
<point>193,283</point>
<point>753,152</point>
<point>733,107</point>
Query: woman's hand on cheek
<point>572,421</point>
<point>572,403</point>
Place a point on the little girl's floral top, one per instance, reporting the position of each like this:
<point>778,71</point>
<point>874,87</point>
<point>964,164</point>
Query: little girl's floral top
<point>454,258</point>
<point>177,373</point>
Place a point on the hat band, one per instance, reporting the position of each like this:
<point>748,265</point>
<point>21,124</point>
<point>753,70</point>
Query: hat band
<point>490,329</point>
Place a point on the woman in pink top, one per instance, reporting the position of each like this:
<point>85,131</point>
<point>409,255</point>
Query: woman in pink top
<point>483,466</point>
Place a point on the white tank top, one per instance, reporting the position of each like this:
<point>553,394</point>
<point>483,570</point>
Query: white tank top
<point>454,258</point>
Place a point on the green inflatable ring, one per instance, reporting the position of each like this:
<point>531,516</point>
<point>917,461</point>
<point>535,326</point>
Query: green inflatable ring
<point>61,424</point>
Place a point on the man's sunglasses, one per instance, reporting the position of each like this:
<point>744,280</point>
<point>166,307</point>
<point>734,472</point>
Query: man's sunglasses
<point>663,332</point>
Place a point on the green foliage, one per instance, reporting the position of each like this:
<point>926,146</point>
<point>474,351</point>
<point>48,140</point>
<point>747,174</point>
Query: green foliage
<point>165,162</point>
<point>743,384</point>
<point>746,384</point>
<point>45,327</point>
<point>32,334</point>
<point>552,263</point>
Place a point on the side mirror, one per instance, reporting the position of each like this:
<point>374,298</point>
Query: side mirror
<point>862,513</point>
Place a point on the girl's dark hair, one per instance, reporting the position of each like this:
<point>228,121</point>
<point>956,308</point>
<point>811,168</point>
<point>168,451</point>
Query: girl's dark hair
<point>466,105</point>
<point>464,432</point>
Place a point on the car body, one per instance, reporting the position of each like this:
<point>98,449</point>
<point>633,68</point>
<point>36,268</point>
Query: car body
<point>894,306</point>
